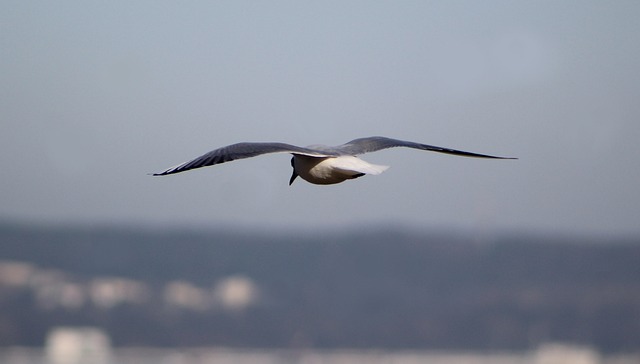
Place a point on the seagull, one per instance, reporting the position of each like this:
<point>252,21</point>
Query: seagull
<point>317,164</point>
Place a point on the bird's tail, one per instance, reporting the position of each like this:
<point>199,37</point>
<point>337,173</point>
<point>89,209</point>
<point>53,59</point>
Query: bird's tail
<point>355,164</point>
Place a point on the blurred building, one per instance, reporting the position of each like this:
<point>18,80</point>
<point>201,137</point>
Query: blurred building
<point>77,345</point>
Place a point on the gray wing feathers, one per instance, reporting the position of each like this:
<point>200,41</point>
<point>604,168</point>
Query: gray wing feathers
<point>354,147</point>
<point>239,151</point>
<point>372,144</point>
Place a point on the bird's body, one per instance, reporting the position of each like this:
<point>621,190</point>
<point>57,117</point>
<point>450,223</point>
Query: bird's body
<point>330,170</point>
<point>317,164</point>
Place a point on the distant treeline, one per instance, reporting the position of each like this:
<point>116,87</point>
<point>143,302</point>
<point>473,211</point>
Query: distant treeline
<point>369,288</point>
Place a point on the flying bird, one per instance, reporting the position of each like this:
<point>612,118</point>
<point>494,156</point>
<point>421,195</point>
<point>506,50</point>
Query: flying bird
<point>317,164</point>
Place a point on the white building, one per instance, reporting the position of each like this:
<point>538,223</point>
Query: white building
<point>77,345</point>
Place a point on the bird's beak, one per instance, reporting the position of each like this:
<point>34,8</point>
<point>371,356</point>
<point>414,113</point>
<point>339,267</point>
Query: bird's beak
<point>293,177</point>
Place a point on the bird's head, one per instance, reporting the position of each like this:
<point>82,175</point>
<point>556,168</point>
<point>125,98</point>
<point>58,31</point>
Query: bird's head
<point>295,174</point>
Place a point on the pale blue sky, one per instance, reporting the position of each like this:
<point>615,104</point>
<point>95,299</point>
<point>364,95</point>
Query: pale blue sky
<point>96,94</point>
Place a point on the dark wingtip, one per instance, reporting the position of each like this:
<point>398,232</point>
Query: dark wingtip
<point>489,156</point>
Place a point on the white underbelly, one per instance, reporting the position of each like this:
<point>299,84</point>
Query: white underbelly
<point>333,170</point>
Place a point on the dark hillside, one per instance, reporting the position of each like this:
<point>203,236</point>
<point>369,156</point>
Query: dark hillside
<point>381,289</point>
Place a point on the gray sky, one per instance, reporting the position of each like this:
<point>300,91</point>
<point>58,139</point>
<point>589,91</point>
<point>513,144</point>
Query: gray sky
<point>95,95</point>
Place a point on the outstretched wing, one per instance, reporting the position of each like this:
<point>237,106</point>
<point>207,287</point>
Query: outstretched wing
<point>372,144</point>
<point>239,151</point>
